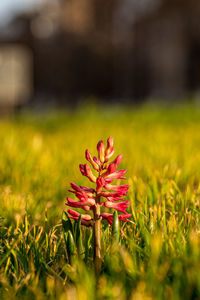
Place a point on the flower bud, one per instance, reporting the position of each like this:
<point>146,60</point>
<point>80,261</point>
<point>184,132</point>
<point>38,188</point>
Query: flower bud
<point>117,188</point>
<point>77,204</point>
<point>109,217</point>
<point>100,183</point>
<point>86,171</point>
<point>85,219</point>
<point>111,168</point>
<point>89,173</point>
<point>116,175</point>
<point>82,169</point>
<point>75,187</point>
<point>109,149</point>
<point>90,159</point>
<point>101,151</point>
<point>118,159</point>
<point>120,206</point>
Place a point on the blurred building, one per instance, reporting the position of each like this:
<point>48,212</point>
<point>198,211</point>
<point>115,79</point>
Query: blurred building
<point>15,75</point>
<point>169,40</point>
<point>111,49</point>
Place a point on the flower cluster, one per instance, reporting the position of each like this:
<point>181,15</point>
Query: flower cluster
<point>105,194</point>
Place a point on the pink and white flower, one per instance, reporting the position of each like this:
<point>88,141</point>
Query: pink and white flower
<point>105,194</point>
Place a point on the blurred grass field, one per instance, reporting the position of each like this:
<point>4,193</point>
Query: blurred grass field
<point>159,256</point>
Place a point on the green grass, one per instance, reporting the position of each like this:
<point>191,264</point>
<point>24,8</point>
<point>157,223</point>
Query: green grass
<point>159,256</point>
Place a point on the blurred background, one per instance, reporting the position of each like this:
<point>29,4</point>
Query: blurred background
<point>57,52</point>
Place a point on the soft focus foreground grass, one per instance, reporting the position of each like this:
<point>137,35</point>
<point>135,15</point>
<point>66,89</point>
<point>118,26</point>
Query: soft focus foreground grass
<point>159,257</point>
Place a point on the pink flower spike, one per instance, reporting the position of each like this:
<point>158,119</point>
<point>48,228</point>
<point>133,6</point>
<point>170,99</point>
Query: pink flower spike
<point>103,196</point>
<point>91,160</point>
<point>120,206</point>
<point>101,151</point>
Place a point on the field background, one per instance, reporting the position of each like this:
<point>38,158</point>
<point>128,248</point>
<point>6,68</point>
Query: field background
<point>159,256</point>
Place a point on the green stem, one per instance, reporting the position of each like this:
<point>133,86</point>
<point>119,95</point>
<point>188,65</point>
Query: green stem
<point>97,236</point>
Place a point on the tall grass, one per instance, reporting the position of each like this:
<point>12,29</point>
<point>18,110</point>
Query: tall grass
<point>159,252</point>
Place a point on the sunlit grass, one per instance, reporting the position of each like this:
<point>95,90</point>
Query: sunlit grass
<point>159,257</point>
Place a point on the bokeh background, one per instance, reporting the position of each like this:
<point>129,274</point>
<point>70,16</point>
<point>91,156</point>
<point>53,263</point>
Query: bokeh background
<point>56,53</point>
<point>73,72</point>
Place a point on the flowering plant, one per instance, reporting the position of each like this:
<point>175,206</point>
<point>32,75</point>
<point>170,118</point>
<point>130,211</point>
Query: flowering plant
<point>104,195</point>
